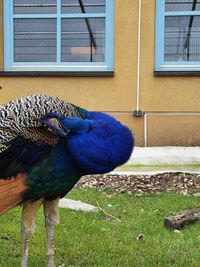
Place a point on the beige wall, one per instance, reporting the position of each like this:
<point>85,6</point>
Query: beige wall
<point>173,129</point>
<point>117,94</point>
<point>163,93</point>
<point>109,94</point>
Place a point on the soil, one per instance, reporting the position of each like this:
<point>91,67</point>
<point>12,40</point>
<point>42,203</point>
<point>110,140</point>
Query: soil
<point>184,183</point>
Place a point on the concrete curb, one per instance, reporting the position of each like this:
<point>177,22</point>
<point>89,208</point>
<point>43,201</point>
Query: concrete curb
<point>165,156</point>
<point>154,160</point>
<point>76,205</point>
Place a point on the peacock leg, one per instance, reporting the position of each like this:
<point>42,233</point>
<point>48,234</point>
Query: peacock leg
<point>29,211</point>
<point>51,213</point>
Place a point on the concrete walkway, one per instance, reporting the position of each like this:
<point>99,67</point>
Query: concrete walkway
<point>162,159</point>
<point>76,205</point>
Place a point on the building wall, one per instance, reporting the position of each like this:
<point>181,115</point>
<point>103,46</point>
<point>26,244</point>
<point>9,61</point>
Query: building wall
<point>171,104</point>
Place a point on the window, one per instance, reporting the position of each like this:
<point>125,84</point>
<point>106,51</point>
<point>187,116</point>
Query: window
<point>58,35</point>
<point>177,35</point>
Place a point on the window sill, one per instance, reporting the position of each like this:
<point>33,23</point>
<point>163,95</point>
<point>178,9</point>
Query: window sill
<point>56,74</point>
<point>176,73</point>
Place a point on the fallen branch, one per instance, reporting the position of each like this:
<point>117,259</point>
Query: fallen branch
<point>178,221</point>
<point>108,214</point>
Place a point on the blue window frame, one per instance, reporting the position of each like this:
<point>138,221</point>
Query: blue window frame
<point>177,35</point>
<point>58,35</point>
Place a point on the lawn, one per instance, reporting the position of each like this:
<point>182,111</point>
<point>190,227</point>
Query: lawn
<point>95,239</point>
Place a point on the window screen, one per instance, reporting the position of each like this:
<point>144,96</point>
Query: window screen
<point>182,38</point>
<point>34,40</point>
<point>34,6</point>
<point>182,5</point>
<point>82,44</point>
<point>84,6</point>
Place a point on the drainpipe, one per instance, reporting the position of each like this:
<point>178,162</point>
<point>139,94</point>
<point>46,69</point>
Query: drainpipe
<point>138,55</point>
<point>138,112</point>
<point>145,130</point>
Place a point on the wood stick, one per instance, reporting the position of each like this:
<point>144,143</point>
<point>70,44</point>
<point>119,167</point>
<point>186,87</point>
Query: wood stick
<point>108,214</point>
<point>178,221</point>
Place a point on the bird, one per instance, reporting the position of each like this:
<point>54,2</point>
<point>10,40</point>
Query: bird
<point>46,146</point>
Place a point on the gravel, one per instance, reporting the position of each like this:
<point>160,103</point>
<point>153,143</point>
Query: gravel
<point>185,183</point>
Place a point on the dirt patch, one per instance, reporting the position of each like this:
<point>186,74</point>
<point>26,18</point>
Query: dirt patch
<point>180,182</point>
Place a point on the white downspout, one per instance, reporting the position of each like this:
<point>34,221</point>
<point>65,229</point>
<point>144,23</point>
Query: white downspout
<point>138,57</point>
<point>145,130</point>
<point>138,74</point>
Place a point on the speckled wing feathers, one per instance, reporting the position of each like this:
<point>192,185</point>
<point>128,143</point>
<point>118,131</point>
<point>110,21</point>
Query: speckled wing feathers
<point>22,117</point>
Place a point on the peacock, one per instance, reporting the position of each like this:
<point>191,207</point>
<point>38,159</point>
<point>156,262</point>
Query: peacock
<point>46,146</point>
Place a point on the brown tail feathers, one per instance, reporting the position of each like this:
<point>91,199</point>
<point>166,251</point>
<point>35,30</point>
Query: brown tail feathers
<point>11,192</point>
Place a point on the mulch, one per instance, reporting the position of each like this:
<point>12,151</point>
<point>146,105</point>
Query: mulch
<point>184,183</point>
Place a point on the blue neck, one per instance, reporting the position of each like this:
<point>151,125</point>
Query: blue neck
<point>62,160</point>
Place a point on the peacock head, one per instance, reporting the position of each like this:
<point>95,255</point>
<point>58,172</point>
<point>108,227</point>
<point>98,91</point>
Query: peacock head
<point>98,143</point>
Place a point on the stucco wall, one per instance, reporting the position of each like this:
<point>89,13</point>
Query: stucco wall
<point>117,94</point>
<point>109,94</point>
<point>163,93</point>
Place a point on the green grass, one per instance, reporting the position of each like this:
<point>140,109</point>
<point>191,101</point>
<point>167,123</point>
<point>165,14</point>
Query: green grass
<point>93,239</point>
